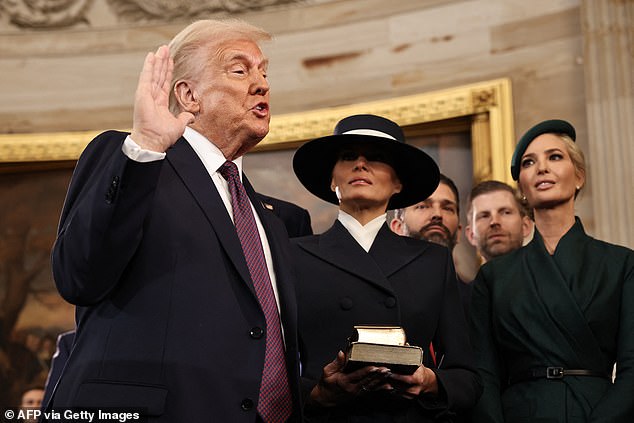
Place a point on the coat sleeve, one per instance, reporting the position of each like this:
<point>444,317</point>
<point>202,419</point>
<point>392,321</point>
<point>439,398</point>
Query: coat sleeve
<point>457,378</point>
<point>101,224</point>
<point>489,407</point>
<point>617,406</point>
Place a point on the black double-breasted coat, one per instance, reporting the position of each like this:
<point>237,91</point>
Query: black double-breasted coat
<point>400,281</point>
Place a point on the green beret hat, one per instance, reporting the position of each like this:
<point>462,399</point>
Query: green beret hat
<point>552,126</point>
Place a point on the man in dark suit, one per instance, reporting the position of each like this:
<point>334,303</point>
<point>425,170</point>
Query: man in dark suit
<point>297,222</point>
<point>295,218</point>
<point>186,308</point>
<point>498,221</point>
<point>435,219</point>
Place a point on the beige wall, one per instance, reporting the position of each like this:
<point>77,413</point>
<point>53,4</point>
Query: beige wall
<point>326,53</point>
<point>332,53</point>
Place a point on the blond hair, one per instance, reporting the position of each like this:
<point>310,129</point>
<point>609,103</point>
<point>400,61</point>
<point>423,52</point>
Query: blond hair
<point>198,42</point>
<point>576,157</point>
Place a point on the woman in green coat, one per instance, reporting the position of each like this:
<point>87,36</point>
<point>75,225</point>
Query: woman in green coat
<point>549,321</point>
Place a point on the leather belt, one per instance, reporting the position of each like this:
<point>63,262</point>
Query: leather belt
<point>553,373</point>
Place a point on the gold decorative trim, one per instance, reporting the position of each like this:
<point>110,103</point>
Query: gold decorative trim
<point>43,147</point>
<point>488,104</point>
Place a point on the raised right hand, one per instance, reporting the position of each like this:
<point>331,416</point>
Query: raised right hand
<point>154,127</point>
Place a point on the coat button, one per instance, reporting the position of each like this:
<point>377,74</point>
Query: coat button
<point>115,182</point>
<point>390,302</point>
<point>247,404</point>
<point>346,303</point>
<point>256,333</point>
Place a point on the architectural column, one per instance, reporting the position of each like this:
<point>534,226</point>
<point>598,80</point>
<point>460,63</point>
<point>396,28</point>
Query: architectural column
<point>608,37</point>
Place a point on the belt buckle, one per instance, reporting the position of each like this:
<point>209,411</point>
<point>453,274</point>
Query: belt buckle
<point>554,372</point>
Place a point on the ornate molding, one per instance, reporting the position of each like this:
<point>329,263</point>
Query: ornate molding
<point>483,99</point>
<point>166,10</point>
<point>40,14</point>
<point>50,14</point>
<point>488,104</point>
<point>43,147</point>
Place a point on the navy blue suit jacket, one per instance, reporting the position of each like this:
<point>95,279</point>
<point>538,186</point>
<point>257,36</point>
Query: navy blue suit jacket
<point>167,317</point>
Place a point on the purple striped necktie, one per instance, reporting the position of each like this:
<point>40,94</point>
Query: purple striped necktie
<point>274,404</point>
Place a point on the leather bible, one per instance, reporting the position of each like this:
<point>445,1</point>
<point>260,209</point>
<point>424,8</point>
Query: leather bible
<point>382,346</point>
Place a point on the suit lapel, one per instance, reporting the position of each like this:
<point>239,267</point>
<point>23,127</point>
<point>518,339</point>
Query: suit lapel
<point>393,252</point>
<point>195,177</point>
<point>337,247</point>
<point>265,217</point>
<point>553,290</point>
<point>581,269</point>
<point>257,202</point>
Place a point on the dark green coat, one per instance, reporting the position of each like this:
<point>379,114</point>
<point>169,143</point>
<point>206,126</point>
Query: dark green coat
<point>574,309</point>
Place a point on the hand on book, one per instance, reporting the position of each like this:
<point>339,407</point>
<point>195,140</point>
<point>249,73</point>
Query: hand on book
<point>337,387</point>
<point>422,381</point>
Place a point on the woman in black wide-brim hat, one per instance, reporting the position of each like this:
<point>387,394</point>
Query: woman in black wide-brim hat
<point>359,273</point>
<point>550,320</point>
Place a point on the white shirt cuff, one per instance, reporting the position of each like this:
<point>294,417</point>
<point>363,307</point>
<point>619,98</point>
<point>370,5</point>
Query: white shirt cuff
<point>138,154</point>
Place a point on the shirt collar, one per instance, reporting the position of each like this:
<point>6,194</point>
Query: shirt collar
<point>209,154</point>
<point>363,234</point>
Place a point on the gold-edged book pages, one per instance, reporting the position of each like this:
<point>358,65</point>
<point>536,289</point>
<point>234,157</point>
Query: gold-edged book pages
<point>382,346</point>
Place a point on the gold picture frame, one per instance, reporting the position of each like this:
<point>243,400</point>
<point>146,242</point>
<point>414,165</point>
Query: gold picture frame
<point>487,106</point>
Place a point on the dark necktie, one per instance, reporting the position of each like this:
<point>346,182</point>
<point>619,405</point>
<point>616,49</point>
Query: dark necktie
<point>274,404</point>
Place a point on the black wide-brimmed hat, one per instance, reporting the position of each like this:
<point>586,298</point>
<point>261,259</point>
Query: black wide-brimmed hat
<point>552,126</point>
<point>418,173</point>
